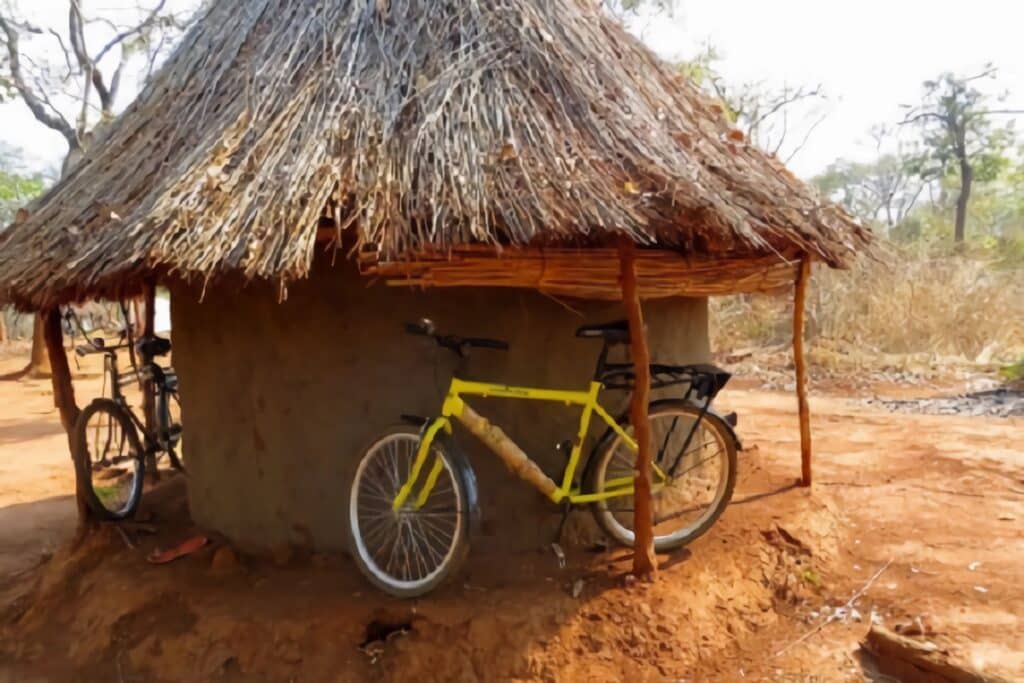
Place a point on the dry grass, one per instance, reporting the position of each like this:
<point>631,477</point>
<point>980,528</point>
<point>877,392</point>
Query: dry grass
<point>910,304</point>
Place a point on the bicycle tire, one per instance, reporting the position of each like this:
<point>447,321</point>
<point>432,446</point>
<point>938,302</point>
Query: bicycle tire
<point>84,461</point>
<point>622,535</point>
<point>463,485</point>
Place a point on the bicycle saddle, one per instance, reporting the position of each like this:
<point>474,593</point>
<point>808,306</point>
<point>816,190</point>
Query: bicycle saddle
<point>616,332</point>
<point>153,347</point>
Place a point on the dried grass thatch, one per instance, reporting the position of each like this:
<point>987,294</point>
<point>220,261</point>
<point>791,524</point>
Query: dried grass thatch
<point>417,123</point>
<point>587,273</point>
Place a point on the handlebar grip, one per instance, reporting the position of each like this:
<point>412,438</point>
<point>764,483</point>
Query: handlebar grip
<point>423,328</point>
<point>484,343</point>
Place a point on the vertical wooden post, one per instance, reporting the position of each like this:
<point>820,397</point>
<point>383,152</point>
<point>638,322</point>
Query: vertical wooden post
<point>64,395</point>
<point>148,397</point>
<point>800,363</point>
<point>39,364</point>
<point>644,562</point>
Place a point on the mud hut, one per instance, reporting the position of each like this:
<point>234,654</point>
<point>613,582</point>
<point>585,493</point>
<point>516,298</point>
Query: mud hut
<point>306,175</point>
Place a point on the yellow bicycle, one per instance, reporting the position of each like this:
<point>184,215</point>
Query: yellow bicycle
<point>413,499</point>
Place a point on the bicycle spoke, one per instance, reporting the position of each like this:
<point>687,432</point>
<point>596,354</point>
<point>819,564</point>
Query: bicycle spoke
<point>681,503</point>
<point>664,444</point>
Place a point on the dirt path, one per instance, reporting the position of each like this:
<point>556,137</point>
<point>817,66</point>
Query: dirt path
<point>36,511</point>
<point>940,498</point>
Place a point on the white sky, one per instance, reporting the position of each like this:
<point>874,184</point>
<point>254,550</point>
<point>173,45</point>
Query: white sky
<point>870,56</point>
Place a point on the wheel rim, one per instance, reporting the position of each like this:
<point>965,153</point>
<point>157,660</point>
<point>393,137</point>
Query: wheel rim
<point>692,497</point>
<point>113,463</point>
<point>408,549</point>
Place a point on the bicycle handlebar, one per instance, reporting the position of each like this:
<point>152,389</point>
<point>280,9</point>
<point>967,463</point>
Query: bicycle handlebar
<point>92,347</point>
<point>456,344</point>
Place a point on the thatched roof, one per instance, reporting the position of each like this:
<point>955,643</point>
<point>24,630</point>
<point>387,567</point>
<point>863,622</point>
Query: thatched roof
<point>416,123</point>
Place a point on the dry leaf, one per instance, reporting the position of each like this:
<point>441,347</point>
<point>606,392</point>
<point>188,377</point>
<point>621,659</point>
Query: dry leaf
<point>508,151</point>
<point>737,135</point>
<point>631,188</point>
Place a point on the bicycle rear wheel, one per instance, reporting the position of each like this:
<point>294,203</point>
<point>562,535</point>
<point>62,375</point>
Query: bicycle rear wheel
<point>411,551</point>
<point>109,460</point>
<point>688,504</point>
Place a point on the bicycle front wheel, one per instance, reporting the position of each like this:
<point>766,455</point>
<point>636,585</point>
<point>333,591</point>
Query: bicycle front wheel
<point>410,551</point>
<point>685,505</point>
<point>109,460</point>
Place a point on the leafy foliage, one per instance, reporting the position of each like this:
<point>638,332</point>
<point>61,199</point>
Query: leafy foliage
<point>956,120</point>
<point>635,6</point>
<point>16,188</point>
<point>1014,372</point>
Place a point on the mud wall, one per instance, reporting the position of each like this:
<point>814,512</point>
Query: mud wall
<point>279,400</point>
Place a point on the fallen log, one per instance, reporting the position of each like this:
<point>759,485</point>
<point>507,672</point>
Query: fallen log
<point>918,661</point>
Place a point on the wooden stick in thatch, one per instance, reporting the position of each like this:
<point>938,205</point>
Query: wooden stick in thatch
<point>799,362</point>
<point>63,392</point>
<point>643,519</point>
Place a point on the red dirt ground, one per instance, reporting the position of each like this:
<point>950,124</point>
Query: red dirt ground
<point>940,500</point>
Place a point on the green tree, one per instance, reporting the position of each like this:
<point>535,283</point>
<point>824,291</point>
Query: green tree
<point>621,7</point>
<point>960,135</point>
<point>16,190</point>
<point>883,191</point>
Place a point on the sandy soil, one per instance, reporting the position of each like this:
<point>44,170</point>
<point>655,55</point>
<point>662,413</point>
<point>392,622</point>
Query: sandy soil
<point>939,501</point>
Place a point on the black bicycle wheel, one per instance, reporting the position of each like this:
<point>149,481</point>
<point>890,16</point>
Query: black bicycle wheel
<point>109,460</point>
<point>689,503</point>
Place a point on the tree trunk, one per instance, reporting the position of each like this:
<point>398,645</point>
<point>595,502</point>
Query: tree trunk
<point>644,561</point>
<point>963,200</point>
<point>3,326</point>
<point>39,365</point>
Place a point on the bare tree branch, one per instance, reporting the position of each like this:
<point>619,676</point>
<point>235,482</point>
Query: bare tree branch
<point>807,136</point>
<point>133,31</point>
<point>76,35</point>
<point>49,117</point>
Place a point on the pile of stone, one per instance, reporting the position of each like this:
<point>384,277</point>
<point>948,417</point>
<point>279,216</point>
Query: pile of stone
<point>1002,402</point>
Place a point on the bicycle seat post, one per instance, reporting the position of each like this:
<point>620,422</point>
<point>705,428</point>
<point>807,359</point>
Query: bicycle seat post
<point>602,360</point>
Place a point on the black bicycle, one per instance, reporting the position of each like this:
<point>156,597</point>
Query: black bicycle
<point>110,458</point>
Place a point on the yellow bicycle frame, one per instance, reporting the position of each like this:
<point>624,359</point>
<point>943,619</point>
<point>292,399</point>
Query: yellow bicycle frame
<point>454,406</point>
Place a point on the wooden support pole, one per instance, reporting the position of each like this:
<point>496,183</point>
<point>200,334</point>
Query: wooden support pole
<point>148,395</point>
<point>800,363</point>
<point>63,393</point>
<point>644,562</point>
